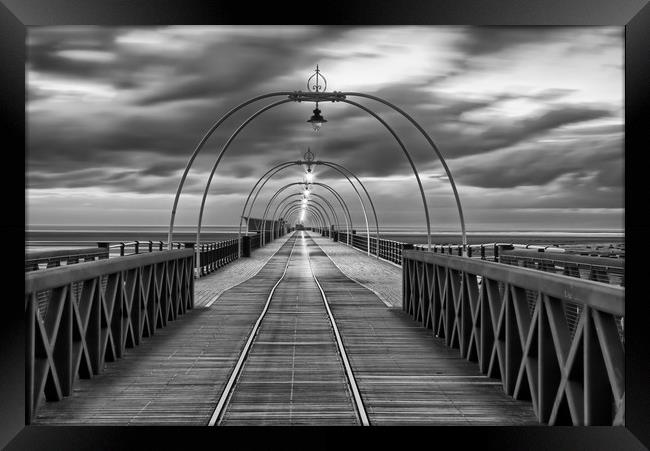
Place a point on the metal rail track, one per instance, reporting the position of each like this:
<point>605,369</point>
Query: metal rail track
<point>227,393</point>
<point>358,402</point>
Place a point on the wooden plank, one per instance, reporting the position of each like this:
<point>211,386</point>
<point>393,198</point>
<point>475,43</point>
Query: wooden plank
<point>293,374</point>
<point>406,376</point>
<point>176,376</point>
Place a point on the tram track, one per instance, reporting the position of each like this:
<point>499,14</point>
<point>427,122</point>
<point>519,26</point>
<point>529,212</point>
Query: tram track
<point>232,386</point>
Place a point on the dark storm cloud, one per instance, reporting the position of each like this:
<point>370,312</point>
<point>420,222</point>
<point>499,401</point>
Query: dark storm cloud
<point>545,163</point>
<point>166,99</point>
<point>480,41</point>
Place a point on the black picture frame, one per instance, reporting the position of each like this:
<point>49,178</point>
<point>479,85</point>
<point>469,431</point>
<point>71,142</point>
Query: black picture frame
<point>16,15</point>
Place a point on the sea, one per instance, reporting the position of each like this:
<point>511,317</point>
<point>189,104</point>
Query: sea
<point>58,236</point>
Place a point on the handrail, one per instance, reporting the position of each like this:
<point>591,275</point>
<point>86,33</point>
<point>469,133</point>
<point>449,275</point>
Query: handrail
<point>93,312</point>
<point>55,257</point>
<point>552,339</point>
<point>55,277</point>
<point>542,258</point>
<point>604,297</point>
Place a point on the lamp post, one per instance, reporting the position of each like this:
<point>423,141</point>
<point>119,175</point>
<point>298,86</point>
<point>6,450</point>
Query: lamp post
<point>316,120</point>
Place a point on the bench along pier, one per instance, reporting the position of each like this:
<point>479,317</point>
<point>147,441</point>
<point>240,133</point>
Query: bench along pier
<point>309,329</point>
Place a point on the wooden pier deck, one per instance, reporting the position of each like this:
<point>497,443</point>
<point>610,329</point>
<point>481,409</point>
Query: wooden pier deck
<point>293,373</point>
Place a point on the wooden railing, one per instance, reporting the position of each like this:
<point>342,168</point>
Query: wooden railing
<point>136,247</point>
<point>388,249</point>
<point>215,255</point>
<point>513,323</point>
<point>93,312</point>
<point>49,259</point>
<point>601,269</point>
<point>543,258</point>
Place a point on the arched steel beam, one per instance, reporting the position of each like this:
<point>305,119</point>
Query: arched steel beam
<point>200,145</point>
<point>336,195</point>
<point>296,211</point>
<point>344,205</point>
<point>284,165</point>
<point>297,208</point>
<point>296,201</point>
<point>214,168</point>
<point>348,218</point>
<point>324,210</point>
<point>435,149</point>
<point>408,157</point>
<point>288,206</point>
<point>281,166</point>
<point>372,205</point>
<point>243,212</point>
<point>299,96</point>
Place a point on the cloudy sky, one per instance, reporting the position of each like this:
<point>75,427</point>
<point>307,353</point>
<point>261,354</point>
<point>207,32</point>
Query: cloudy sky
<point>530,121</point>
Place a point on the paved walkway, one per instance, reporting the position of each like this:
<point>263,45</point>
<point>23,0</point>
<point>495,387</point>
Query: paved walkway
<point>379,276</point>
<point>208,288</point>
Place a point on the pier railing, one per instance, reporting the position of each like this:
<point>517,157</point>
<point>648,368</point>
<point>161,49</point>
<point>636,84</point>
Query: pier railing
<point>388,249</point>
<point>49,259</point>
<point>601,269</point>
<point>136,247</point>
<point>218,254</point>
<point>542,258</point>
<point>80,316</point>
<point>515,323</point>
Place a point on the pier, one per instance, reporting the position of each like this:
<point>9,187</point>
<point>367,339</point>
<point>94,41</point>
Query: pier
<point>312,331</point>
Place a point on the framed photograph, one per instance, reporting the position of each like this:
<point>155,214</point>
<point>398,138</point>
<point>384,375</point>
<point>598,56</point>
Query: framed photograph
<point>413,216</point>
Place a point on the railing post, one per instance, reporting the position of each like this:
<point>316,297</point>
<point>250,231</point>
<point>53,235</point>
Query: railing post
<point>404,246</point>
<point>137,247</point>
<point>121,249</point>
<point>246,246</point>
<point>150,246</point>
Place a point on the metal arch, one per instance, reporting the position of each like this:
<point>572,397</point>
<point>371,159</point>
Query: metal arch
<point>321,209</point>
<point>310,210</point>
<point>372,205</point>
<point>332,210</point>
<point>408,156</point>
<point>281,166</point>
<point>276,169</point>
<point>288,205</point>
<point>293,202</point>
<point>297,208</point>
<point>307,210</point>
<point>435,149</point>
<point>294,212</point>
<point>311,214</point>
<point>336,195</point>
<point>243,213</point>
<point>200,145</point>
<point>343,204</point>
<point>214,168</point>
<point>296,97</point>
<point>339,198</point>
